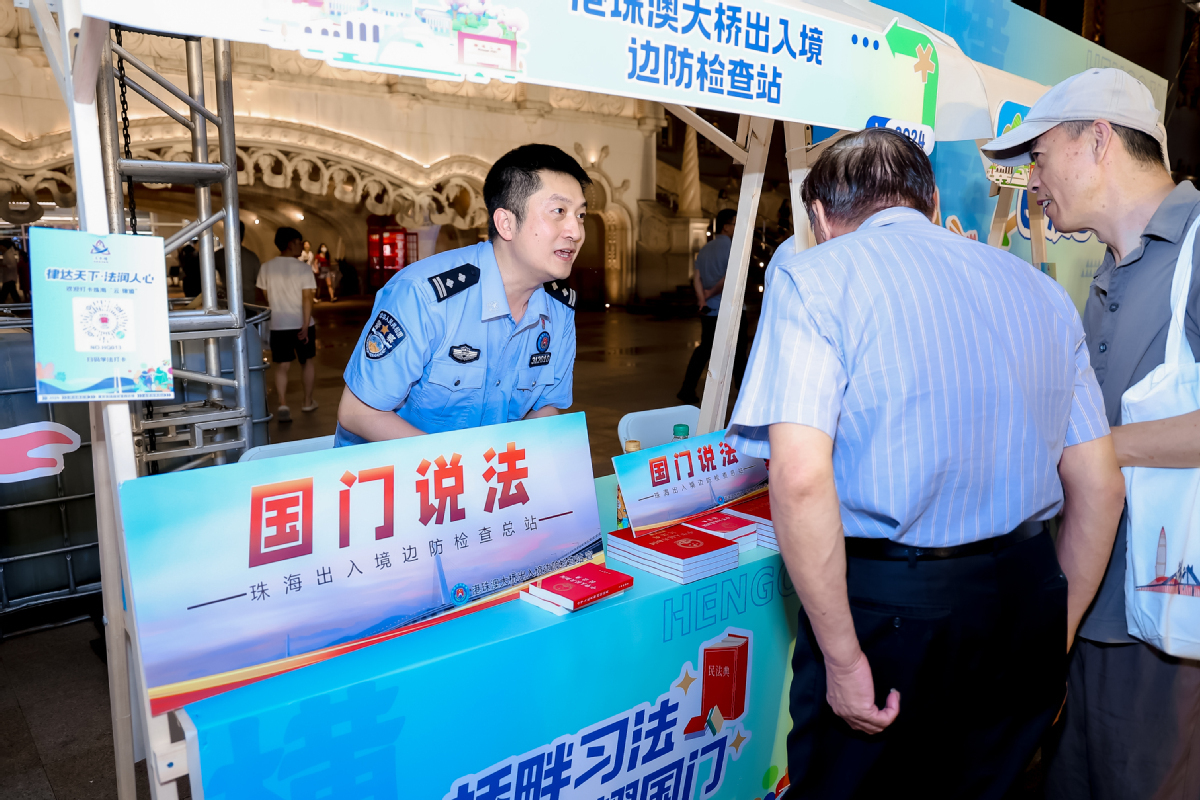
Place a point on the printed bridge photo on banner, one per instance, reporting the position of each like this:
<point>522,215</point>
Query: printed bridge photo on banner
<point>326,552</point>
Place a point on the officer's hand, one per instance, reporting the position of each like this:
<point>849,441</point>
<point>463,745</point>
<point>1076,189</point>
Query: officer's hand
<point>851,695</point>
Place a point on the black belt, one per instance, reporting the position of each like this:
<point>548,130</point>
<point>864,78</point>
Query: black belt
<point>887,550</point>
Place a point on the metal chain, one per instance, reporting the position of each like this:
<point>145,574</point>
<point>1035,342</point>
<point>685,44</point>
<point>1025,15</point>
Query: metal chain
<point>125,133</point>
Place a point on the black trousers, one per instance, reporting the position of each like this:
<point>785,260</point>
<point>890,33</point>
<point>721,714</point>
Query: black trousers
<point>9,289</point>
<point>976,647</point>
<point>700,356</point>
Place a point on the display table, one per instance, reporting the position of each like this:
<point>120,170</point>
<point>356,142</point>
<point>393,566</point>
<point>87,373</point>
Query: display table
<point>417,716</point>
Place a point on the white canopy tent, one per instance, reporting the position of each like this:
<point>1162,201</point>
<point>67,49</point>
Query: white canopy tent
<point>868,62</point>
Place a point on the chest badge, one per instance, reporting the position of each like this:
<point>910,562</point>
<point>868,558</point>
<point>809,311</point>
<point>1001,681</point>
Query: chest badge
<point>464,353</point>
<point>539,359</point>
<point>543,341</point>
<point>384,337</point>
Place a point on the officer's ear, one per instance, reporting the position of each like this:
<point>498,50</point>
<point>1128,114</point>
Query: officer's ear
<point>506,223</point>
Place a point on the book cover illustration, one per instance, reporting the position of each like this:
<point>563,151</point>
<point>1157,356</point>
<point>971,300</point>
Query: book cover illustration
<point>724,675</point>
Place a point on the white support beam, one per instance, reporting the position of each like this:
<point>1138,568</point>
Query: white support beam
<point>1037,230</point>
<point>52,45</point>
<point>89,44</point>
<point>796,137</point>
<point>708,131</point>
<point>725,341</point>
<point>112,440</point>
<point>1000,216</point>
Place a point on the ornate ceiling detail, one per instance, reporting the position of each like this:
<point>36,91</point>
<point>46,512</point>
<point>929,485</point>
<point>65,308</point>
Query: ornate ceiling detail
<point>276,154</point>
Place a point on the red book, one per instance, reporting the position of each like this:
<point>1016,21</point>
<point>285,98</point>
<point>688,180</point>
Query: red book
<point>581,586</point>
<point>757,509</point>
<point>723,681</point>
<point>724,525</point>
<point>678,542</point>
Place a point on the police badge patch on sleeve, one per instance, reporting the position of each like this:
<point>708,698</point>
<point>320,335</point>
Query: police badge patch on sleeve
<point>385,335</point>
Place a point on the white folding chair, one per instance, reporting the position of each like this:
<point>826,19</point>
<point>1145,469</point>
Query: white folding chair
<point>287,448</point>
<point>656,426</point>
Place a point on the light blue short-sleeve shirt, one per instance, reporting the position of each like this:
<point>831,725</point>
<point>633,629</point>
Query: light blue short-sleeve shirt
<point>949,374</point>
<point>443,351</point>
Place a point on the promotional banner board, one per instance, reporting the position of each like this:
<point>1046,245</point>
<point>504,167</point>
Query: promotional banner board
<point>757,57</point>
<point>662,485</point>
<point>664,693</point>
<point>306,554</point>
<point>100,317</point>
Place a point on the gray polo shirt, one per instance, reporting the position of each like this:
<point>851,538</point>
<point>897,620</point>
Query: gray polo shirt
<point>1125,320</point>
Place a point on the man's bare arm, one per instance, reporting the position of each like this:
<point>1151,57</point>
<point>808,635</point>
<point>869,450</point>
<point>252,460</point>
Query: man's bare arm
<point>306,304</point>
<point>370,423</point>
<point>808,525</point>
<point>715,290</point>
<point>1093,496</point>
<point>1171,442</point>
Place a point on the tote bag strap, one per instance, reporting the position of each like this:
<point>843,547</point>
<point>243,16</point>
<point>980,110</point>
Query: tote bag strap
<point>1179,350</point>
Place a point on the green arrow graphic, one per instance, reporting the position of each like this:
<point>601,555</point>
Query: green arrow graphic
<point>914,44</point>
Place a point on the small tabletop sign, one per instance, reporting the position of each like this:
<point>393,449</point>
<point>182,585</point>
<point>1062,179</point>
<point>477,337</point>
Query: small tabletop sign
<point>100,317</point>
<point>662,485</point>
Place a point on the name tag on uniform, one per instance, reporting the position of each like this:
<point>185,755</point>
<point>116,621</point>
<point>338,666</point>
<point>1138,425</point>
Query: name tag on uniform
<point>385,335</point>
<point>539,359</point>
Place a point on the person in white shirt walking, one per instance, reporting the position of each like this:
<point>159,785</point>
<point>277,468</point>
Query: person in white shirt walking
<point>290,287</point>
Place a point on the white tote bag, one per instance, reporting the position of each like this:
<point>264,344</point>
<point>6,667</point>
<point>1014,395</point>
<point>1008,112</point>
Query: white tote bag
<point>1162,592</point>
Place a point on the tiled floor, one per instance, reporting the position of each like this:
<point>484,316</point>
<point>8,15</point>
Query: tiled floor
<point>55,729</point>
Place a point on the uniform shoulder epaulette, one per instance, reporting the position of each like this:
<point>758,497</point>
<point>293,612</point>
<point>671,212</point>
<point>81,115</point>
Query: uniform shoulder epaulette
<point>452,281</point>
<point>560,293</point>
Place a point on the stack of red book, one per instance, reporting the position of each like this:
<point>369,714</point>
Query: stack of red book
<point>677,553</point>
<point>735,529</point>
<point>576,588</point>
<point>758,511</point>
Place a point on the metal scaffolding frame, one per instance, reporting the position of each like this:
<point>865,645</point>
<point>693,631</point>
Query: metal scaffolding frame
<point>194,432</point>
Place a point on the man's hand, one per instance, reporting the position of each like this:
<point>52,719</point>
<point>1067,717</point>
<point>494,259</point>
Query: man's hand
<point>851,695</point>
<point>302,335</point>
<point>808,524</point>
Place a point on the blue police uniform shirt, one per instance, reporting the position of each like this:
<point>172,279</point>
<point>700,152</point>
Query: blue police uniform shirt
<point>443,351</point>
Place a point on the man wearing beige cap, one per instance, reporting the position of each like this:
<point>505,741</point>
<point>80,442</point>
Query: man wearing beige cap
<point>1131,727</point>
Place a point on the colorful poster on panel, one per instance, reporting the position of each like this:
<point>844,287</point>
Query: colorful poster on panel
<point>310,553</point>
<point>100,317</point>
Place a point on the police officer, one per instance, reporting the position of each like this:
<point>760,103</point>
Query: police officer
<point>483,334</point>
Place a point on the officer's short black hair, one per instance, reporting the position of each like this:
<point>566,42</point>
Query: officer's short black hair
<point>724,217</point>
<point>513,179</point>
<point>285,236</point>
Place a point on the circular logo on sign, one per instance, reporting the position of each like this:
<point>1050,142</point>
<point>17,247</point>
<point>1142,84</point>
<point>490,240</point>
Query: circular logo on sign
<point>460,594</point>
<point>104,322</point>
<point>543,343</point>
<point>690,544</point>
